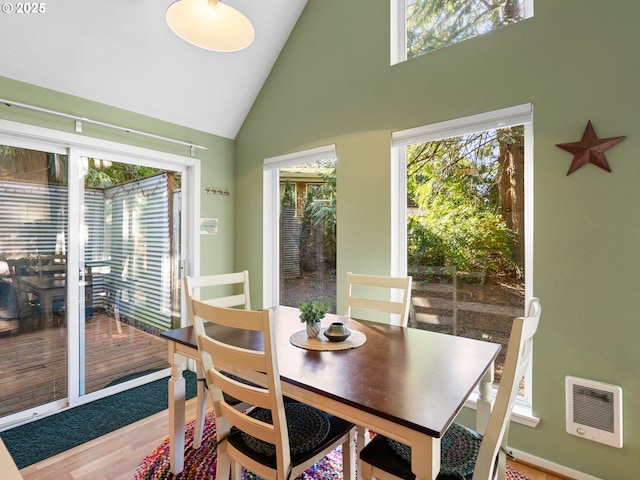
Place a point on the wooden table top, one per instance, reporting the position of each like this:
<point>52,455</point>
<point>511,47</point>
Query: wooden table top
<point>45,282</point>
<point>412,377</point>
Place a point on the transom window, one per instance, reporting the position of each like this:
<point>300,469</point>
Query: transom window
<point>423,26</point>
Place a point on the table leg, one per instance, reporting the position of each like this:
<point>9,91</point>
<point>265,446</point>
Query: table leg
<point>425,457</point>
<point>361,442</point>
<point>349,459</point>
<point>201,406</point>
<point>485,401</point>
<point>176,411</point>
<point>47,308</point>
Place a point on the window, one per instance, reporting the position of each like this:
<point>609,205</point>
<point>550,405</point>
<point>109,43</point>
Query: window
<point>466,222</point>
<point>300,228</point>
<point>421,26</point>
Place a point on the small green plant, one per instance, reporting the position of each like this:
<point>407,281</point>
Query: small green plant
<point>312,312</point>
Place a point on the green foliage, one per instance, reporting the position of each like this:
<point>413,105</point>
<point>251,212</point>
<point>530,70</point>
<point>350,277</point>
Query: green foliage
<point>106,174</point>
<point>319,217</point>
<point>288,198</point>
<point>321,206</point>
<point>98,173</point>
<point>456,217</point>
<point>313,311</point>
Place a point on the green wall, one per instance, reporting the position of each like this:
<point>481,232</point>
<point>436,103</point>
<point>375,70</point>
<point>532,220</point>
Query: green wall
<point>576,60</point>
<point>216,162</point>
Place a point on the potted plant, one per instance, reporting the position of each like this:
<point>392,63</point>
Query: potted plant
<point>311,313</point>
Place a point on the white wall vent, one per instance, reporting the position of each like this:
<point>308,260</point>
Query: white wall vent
<point>594,411</point>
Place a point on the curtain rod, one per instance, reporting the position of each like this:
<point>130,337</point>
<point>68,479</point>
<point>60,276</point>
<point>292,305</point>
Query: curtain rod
<point>79,120</point>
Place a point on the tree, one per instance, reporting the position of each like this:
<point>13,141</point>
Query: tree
<point>319,216</point>
<point>468,194</point>
<point>511,186</point>
<point>288,197</point>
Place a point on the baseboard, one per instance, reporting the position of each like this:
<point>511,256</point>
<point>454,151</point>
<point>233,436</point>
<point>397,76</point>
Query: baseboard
<point>551,467</point>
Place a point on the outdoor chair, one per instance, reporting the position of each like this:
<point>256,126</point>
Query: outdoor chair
<point>19,267</point>
<point>216,289</point>
<point>53,264</point>
<point>275,439</point>
<point>465,453</point>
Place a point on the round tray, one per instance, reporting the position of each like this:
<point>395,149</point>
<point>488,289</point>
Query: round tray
<point>322,343</point>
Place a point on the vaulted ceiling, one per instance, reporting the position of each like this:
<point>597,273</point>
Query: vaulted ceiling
<point>122,53</point>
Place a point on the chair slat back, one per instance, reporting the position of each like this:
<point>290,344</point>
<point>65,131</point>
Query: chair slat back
<point>260,367</point>
<point>368,292</point>
<point>516,363</point>
<point>193,288</point>
<point>52,264</point>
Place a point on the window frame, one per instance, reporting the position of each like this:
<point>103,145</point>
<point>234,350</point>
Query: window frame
<point>506,117</point>
<point>271,215</point>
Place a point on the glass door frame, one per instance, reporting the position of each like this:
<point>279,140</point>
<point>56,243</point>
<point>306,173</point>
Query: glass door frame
<point>78,146</point>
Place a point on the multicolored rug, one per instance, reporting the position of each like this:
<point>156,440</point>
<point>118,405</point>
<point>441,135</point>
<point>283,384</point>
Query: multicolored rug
<point>201,464</point>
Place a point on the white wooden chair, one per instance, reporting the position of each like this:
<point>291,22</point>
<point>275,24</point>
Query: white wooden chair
<point>374,293</point>
<point>386,459</point>
<point>221,296</point>
<point>275,439</point>
<point>223,290</point>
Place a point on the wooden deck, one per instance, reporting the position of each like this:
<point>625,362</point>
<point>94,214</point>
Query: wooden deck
<point>33,364</point>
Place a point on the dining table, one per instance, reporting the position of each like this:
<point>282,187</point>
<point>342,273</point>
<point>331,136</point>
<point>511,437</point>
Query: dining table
<point>405,383</point>
<point>46,287</point>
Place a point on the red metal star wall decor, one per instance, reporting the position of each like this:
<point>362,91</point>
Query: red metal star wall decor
<point>590,149</point>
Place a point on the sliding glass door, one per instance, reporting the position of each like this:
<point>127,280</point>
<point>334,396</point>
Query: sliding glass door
<point>33,249</point>
<point>131,231</point>
<point>91,246</point>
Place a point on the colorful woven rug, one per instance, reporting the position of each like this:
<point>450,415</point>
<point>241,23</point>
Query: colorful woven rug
<point>201,464</point>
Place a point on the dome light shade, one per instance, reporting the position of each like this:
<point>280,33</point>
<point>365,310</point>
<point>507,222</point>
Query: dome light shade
<point>210,24</point>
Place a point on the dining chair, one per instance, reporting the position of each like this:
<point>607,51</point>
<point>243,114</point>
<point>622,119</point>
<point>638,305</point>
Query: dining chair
<point>465,454</point>
<point>368,294</point>
<point>52,264</point>
<point>275,439</point>
<point>373,293</point>
<point>19,267</point>
<point>221,296</point>
<point>214,290</point>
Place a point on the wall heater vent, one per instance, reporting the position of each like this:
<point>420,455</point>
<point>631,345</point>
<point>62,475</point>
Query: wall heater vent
<point>594,411</point>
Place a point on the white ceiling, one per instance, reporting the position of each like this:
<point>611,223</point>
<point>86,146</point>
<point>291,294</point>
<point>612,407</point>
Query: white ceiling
<point>122,53</point>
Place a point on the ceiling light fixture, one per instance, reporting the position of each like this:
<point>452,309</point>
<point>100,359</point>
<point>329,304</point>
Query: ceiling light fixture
<point>210,24</point>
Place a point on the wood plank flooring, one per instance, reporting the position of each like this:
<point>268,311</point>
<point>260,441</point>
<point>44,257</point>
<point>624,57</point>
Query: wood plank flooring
<point>33,364</point>
<point>116,456</point>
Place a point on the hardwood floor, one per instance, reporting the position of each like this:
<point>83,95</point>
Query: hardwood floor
<point>115,456</point>
<point>34,361</point>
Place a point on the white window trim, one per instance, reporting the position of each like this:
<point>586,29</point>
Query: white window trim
<point>271,215</point>
<point>398,30</point>
<point>506,117</point>
<point>76,146</point>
